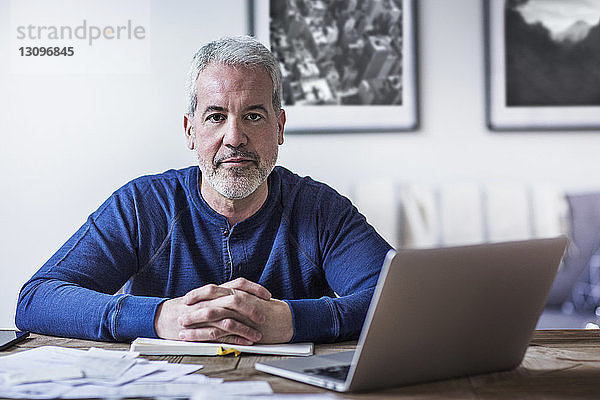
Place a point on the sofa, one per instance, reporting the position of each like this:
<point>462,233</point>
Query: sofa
<point>412,215</point>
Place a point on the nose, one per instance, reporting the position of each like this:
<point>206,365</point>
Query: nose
<point>234,134</point>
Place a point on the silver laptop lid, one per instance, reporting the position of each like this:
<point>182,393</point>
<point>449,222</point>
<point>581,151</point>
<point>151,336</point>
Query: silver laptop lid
<point>447,312</point>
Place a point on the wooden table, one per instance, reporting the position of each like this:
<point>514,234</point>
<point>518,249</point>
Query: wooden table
<point>560,364</point>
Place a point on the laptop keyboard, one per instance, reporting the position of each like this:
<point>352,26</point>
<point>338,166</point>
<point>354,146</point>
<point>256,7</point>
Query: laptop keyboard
<point>339,372</point>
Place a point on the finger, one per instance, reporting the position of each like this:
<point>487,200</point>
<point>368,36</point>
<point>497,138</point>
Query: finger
<point>238,329</point>
<point>220,330</point>
<point>206,292</point>
<point>248,287</point>
<point>206,315</point>
<point>234,307</point>
<point>243,304</point>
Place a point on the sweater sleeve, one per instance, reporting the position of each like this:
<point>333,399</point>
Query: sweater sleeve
<point>73,294</point>
<point>351,254</point>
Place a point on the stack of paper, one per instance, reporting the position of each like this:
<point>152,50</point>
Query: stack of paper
<point>204,395</point>
<point>57,372</point>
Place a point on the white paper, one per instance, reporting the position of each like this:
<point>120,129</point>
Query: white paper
<point>56,372</point>
<point>137,371</point>
<point>91,391</point>
<point>170,373</point>
<point>103,353</point>
<point>160,390</point>
<point>40,356</point>
<point>42,375</point>
<point>232,388</point>
<point>104,368</point>
<point>197,379</point>
<point>47,390</point>
<point>34,365</point>
<point>278,396</point>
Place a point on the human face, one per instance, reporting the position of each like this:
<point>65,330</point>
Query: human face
<point>236,131</point>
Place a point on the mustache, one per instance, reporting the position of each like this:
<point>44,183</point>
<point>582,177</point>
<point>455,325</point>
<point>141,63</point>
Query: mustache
<point>242,153</point>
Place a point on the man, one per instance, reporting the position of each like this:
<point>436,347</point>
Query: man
<point>206,253</point>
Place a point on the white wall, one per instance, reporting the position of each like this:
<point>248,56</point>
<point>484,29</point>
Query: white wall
<point>68,141</point>
<point>453,142</point>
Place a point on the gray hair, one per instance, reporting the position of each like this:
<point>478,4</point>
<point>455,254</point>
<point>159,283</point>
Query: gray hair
<point>236,51</point>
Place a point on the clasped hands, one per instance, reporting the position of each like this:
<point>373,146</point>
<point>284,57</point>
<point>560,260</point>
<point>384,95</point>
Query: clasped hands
<point>238,312</point>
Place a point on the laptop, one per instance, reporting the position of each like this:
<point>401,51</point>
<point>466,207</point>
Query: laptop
<point>441,313</point>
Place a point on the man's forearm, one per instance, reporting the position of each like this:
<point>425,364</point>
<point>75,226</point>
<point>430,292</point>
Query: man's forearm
<point>329,319</point>
<point>54,307</point>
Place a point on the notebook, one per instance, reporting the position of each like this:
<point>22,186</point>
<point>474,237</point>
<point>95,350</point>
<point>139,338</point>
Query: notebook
<point>153,347</point>
<point>441,313</point>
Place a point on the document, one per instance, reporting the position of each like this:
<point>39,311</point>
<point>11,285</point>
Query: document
<point>148,346</point>
<point>246,388</point>
<point>57,372</point>
<point>215,390</point>
<point>203,395</point>
<point>52,372</point>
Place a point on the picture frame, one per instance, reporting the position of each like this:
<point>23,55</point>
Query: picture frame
<point>383,95</point>
<point>535,68</point>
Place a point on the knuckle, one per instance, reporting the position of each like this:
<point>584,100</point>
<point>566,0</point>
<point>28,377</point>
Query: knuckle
<point>237,301</point>
<point>240,283</point>
<point>228,324</point>
<point>257,314</point>
<point>210,314</point>
<point>225,324</point>
<point>211,289</point>
<point>185,319</point>
<point>190,334</point>
<point>190,297</point>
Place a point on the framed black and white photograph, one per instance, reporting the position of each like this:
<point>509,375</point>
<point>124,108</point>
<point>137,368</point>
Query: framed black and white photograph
<point>543,64</point>
<point>347,65</point>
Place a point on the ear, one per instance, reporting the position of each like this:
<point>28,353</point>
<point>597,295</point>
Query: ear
<point>280,126</point>
<point>188,121</point>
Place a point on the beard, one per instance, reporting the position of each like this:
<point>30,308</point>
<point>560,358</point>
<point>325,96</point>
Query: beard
<point>237,182</point>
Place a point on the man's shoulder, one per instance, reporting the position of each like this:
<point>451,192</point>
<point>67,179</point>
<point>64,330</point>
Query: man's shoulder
<point>305,188</point>
<point>290,179</point>
<point>163,184</point>
<point>170,178</point>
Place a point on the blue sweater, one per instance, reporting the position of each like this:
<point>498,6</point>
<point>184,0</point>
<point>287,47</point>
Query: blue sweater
<point>158,237</point>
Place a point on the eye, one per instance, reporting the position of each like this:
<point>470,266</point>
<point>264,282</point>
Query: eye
<point>254,117</point>
<point>215,118</point>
